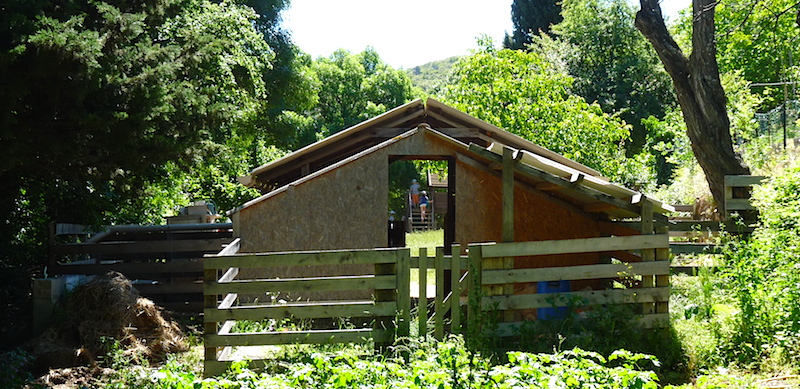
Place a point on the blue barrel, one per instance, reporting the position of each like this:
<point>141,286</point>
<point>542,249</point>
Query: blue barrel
<point>552,287</point>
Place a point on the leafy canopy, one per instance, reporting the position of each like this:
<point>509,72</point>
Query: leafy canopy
<point>524,94</point>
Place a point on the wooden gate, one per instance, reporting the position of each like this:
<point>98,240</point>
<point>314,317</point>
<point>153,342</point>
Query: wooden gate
<point>389,280</point>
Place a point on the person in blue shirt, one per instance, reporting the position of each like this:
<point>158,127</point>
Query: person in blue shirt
<point>423,204</point>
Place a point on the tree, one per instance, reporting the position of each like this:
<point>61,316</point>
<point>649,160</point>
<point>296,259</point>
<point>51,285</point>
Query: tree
<point>353,88</point>
<point>760,39</point>
<point>612,63</point>
<point>531,17</point>
<point>698,89</point>
<point>521,92</point>
<point>100,97</point>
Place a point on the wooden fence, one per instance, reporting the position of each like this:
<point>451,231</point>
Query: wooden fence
<point>164,262</point>
<point>496,275</point>
<point>688,235</point>
<point>389,281</point>
<point>391,306</point>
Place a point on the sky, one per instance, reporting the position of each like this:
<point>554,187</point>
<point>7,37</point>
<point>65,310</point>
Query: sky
<point>405,33</point>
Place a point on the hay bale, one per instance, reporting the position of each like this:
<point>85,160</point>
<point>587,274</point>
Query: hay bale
<point>104,313</point>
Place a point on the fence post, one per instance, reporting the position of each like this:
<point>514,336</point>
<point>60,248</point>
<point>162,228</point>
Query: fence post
<point>662,254</point>
<point>455,295</point>
<point>404,291</point>
<point>385,295</point>
<point>209,327</point>
<point>422,306</point>
<point>647,254</point>
<point>438,303</point>
<point>475,293</point>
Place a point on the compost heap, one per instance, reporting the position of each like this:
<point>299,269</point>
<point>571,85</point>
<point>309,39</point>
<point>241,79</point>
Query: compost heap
<point>106,314</point>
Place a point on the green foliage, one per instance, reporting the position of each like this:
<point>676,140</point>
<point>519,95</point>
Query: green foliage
<point>429,364</point>
<point>760,40</point>
<point>746,314</point>
<point>530,18</point>
<point>612,63</point>
<point>110,108</point>
<point>524,94</point>
<point>432,76</point>
<point>354,88</point>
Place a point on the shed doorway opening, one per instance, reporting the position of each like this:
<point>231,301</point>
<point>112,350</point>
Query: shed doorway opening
<point>421,190</point>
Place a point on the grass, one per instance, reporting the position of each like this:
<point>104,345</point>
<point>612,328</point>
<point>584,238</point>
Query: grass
<point>429,239</point>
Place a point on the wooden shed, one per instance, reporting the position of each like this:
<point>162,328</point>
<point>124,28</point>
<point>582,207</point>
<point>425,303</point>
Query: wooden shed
<point>333,194</point>
<point>528,222</point>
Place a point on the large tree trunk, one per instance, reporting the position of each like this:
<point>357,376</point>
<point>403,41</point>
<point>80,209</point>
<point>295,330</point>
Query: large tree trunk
<point>699,91</point>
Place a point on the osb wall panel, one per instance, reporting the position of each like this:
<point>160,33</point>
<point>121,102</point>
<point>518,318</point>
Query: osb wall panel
<point>345,208</point>
<point>536,217</point>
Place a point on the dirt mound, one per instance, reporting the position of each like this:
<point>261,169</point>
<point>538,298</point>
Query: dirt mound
<point>103,315</point>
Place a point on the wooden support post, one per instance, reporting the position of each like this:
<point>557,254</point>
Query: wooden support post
<point>404,291</point>
<point>438,302</point>
<point>662,280</point>
<point>210,328</point>
<point>475,289</point>
<point>508,195</point>
<point>455,296</point>
<point>385,295</point>
<point>508,225</point>
<point>422,306</point>
<point>647,254</point>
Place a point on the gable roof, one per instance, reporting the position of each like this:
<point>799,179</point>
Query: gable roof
<point>364,135</point>
<point>478,142</point>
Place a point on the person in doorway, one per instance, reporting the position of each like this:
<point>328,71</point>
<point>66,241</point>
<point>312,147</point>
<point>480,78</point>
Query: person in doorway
<point>423,204</point>
<point>414,189</point>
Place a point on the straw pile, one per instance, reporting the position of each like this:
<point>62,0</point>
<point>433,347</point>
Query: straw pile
<point>104,314</point>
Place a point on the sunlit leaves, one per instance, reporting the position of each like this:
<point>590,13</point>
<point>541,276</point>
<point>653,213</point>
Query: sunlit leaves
<point>522,93</point>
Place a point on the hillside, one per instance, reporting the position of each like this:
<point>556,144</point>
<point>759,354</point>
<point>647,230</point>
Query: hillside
<point>432,74</point>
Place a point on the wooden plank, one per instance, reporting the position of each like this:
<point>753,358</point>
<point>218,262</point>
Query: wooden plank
<point>227,302</point>
<point>403,285</point>
<point>169,288</point>
<point>475,270</point>
<point>302,258</point>
<point>447,261</point>
<point>134,269</point>
<point>315,284</point>
<point>296,337</point>
<point>509,329</point>
<point>455,295</point>
<point>571,246</point>
<point>591,297</point>
<point>116,248</point>
<point>738,205</point>
<point>694,248</point>
<point>210,327</point>
<point>541,175</point>
<point>713,226</point>
<point>582,272</point>
<point>229,275</point>
<point>438,302</point>
<point>422,306</point>
<point>508,195</point>
<point>231,248</point>
<point>332,309</point>
<point>194,307</point>
<point>740,181</point>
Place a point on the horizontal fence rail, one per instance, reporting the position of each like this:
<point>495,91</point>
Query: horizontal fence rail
<point>455,306</point>
<point>165,263</point>
<point>387,313</point>
<point>652,293</point>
